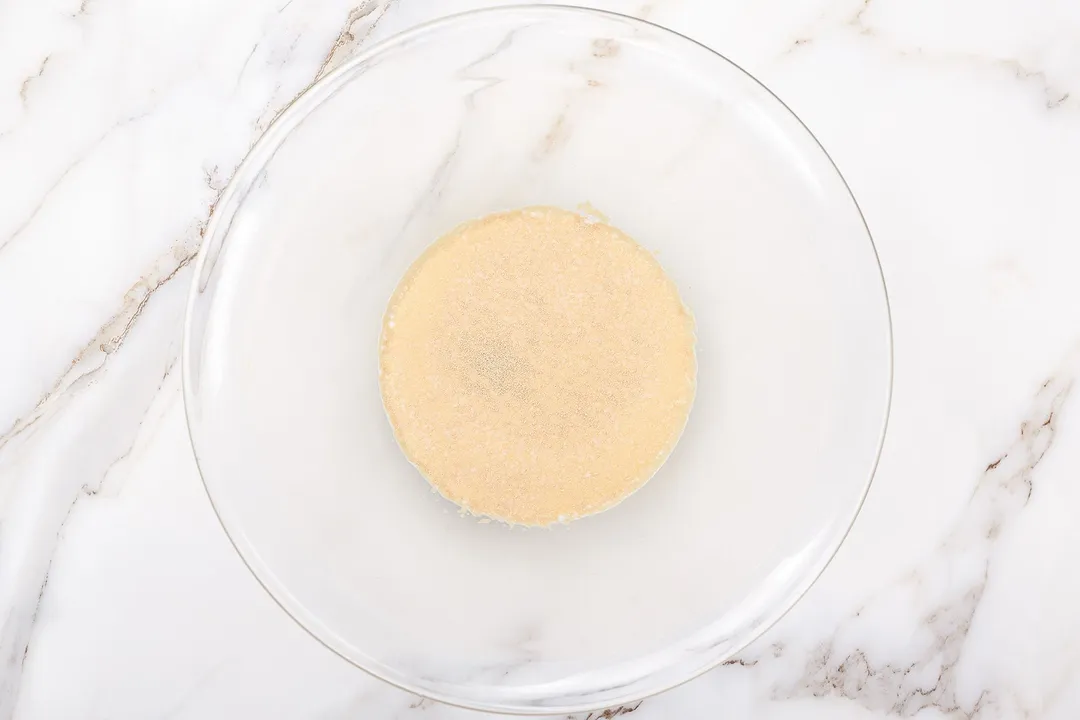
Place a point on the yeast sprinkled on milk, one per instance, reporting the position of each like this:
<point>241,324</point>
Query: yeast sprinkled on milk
<point>537,365</point>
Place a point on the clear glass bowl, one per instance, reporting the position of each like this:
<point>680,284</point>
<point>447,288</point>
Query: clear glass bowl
<point>493,110</point>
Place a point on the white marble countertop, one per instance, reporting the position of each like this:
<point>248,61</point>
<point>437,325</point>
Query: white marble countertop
<point>957,124</point>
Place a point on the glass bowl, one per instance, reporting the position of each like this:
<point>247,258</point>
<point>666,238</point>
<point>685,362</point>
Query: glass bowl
<point>493,110</point>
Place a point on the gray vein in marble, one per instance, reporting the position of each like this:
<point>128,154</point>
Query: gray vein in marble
<point>486,82</point>
<point>433,189</point>
<point>25,87</point>
<point>609,713</point>
<point>15,634</point>
<point>359,24</point>
<point>928,677</point>
<point>244,65</point>
<point>110,336</point>
<point>104,488</point>
<point>443,171</point>
<point>1054,96</point>
<point>84,155</point>
<point>19,626</point>
<point>214,180</point>
<point>281,62</point>
<point>561,128</point>
<point>856,20</point>
<point>15,631</point>
<point>556,137</point>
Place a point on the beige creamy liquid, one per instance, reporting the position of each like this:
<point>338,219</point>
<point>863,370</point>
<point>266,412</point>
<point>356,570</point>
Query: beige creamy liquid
<point>537,366</point>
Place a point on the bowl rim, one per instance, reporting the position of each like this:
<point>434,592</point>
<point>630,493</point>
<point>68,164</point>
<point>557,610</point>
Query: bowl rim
<point>262,151</point>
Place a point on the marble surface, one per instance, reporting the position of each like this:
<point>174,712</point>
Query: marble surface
<point>957,124</point>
